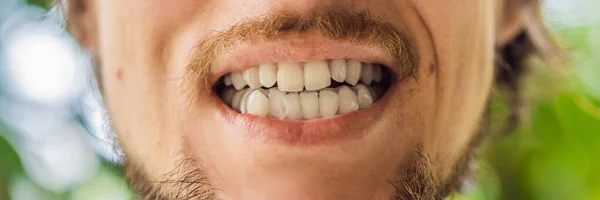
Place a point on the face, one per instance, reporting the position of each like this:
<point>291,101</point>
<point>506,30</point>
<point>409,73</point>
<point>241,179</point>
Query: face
<point>299,99</point>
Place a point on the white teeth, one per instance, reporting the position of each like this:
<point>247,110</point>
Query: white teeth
<point>365,98</point>
<point>251,77</point>
<point>243,100</point>
<point>258,103</point>
<point>238,80</point>
<point>276,99</point>
<point>227,95</point>
<point>292,106</point>
<point>367,73</point>
<point>302,91</point>
<point>310,104</point>
<point>227,80</point>
<point>268,75</point>
<point>377,73</point>
<point>293,77</point>
<point>316,75</point>
<point>337,69</point>
<point>348,100</point>
<point>290,77</point>
<point>235,102</point>
<point>328,103</point>
<point>353,71</point>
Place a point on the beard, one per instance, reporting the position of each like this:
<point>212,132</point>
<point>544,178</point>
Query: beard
<point>418,180</point>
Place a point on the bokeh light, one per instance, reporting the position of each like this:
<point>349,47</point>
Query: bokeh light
<point>51,111</point>
<point>40,63</point>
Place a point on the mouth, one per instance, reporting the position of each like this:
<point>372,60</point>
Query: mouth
<point>305,90</point>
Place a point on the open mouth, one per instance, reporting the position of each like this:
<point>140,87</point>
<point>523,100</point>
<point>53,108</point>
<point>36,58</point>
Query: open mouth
<point>305,90</point>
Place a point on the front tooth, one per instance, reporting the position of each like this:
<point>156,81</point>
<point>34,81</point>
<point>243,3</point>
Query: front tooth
<point>353,70</point>
<point>243,100</point>
<point>276,100</point>
<point>258,103</point>
<point>337,69</point>
<point>367,73</point>
<point>316,75</point>
<point>348,100</point>
<point>309,102</point>
<point>251,76</point>
<point>329,102</point>
<point>365,98</point>
<point>227,95</point>
<point>377,73</point>
<point>289,77</point>
<point>227,80</point>
<point>268,75</point>
<point>292,106</point>
<point>237,97</point>
<point>238,81</point>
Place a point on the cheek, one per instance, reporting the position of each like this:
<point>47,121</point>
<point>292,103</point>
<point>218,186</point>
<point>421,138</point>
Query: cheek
<point>135,76</point>
<point>464,45</point>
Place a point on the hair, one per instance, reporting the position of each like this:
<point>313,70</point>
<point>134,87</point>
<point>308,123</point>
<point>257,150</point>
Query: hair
<point>533,40</point>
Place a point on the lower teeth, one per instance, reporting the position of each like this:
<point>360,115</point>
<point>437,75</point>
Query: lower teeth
<point>305,105</point>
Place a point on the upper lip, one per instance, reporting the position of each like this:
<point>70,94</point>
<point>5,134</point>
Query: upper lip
<point>305,49</point>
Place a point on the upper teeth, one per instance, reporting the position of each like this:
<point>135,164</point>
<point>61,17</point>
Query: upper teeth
<point>289,77</point>
<point>337,70</point>
<point>267,75</point>
<point>353,71</point>
<point>295,76</point>
<point>300,92</point>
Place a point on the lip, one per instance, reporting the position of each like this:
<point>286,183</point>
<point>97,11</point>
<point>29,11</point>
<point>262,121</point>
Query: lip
<point>305,49</point>
<point>302,133</point>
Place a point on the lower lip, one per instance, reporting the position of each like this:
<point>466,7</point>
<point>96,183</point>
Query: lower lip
<point>325,131</point>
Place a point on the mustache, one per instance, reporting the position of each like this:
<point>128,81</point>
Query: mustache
<point>357,26</point>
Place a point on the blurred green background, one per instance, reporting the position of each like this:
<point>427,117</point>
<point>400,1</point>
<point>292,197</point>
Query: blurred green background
<point>555,154</point>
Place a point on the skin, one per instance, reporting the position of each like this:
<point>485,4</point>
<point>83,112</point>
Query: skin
<point>144,45</point>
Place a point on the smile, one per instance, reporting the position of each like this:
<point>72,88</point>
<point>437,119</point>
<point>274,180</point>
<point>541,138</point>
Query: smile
<point>304,90</point>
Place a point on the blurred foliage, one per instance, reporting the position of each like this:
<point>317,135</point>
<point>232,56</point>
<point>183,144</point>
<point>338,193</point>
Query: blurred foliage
<point>9,163</point>
<point>41,3</point>
<point>107,184</point>
<point>555,154</point>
